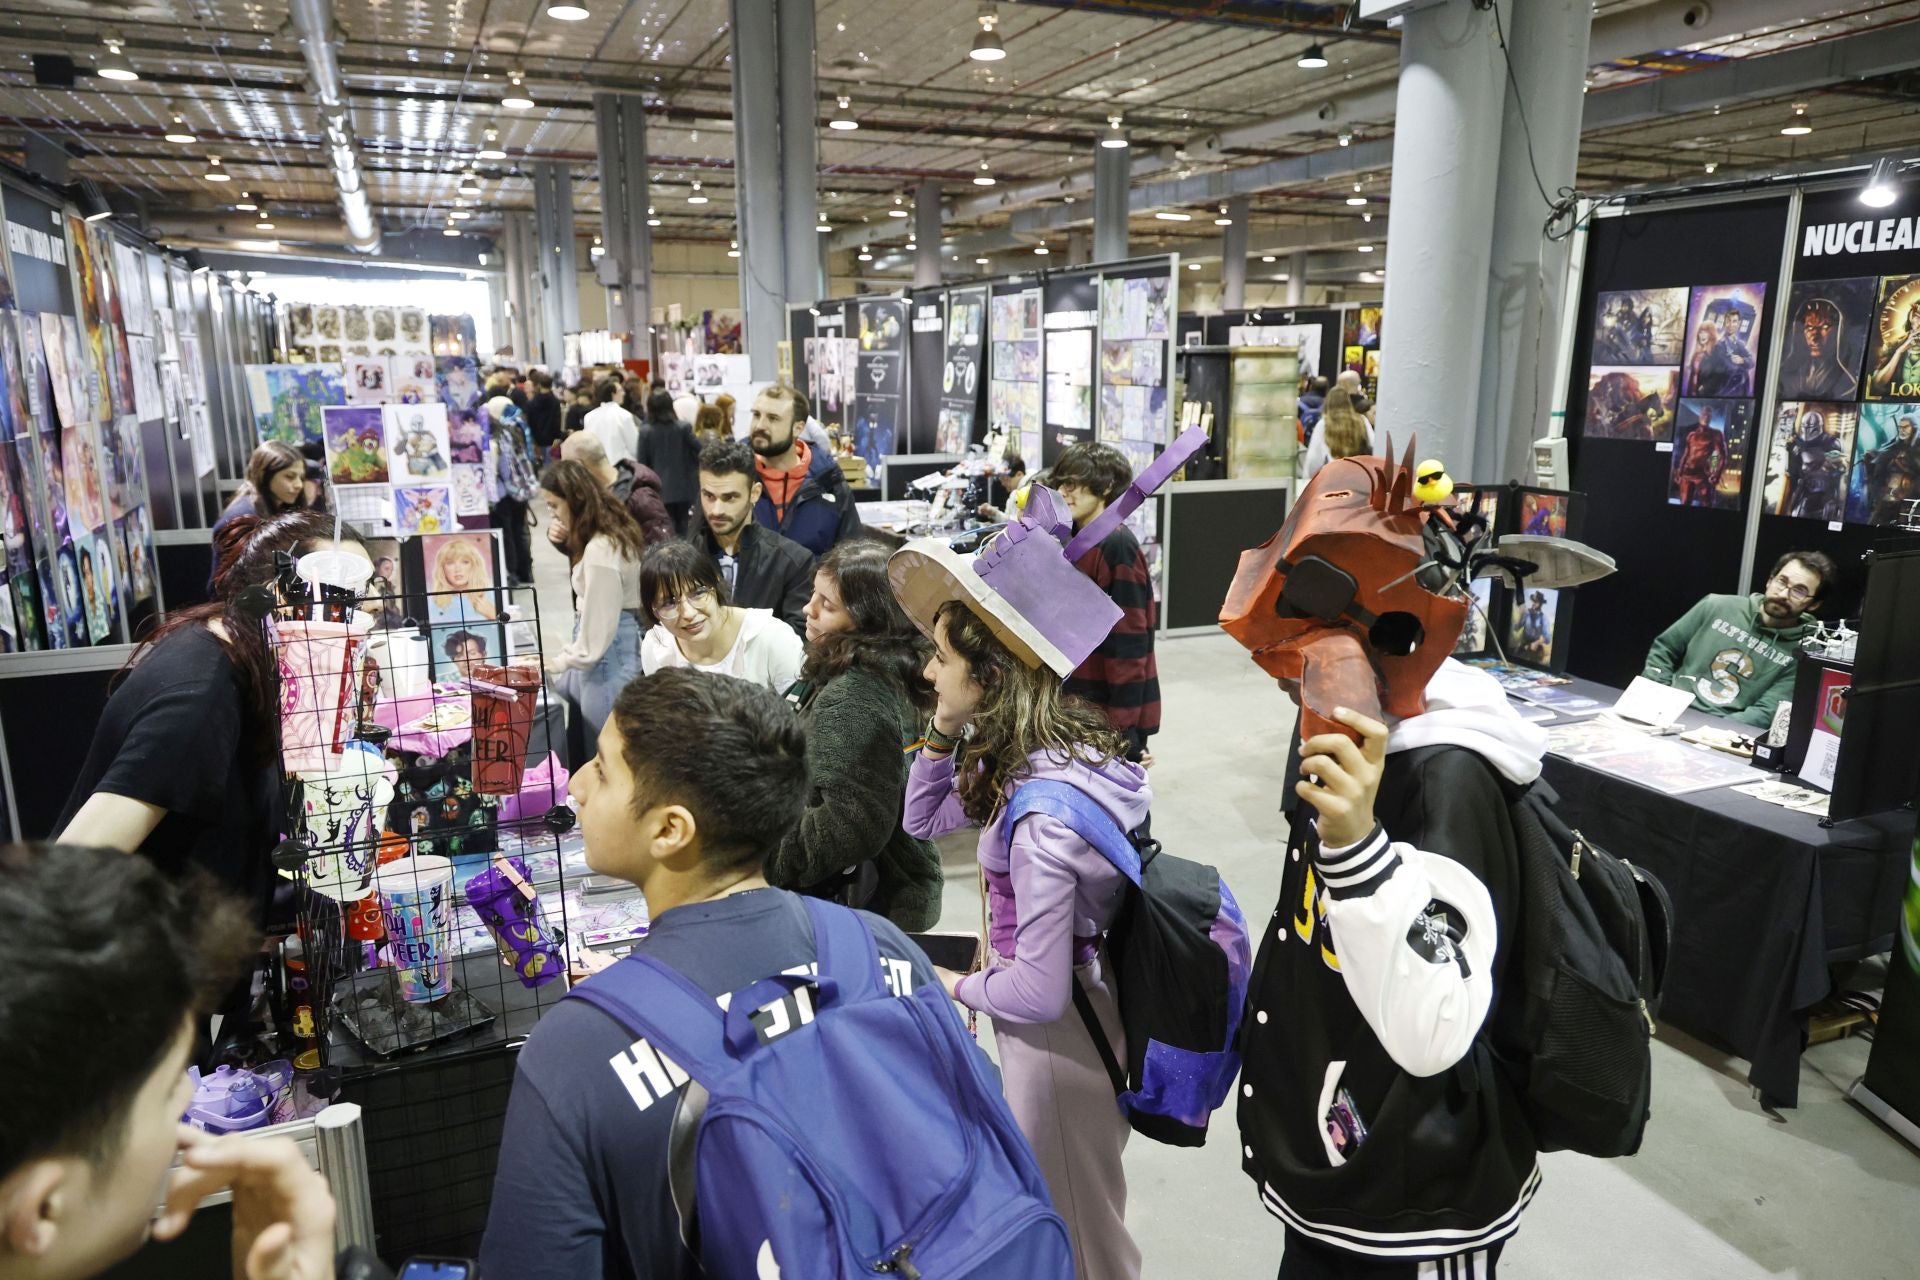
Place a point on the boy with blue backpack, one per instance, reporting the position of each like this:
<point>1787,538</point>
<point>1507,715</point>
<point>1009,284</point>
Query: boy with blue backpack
<point>770,1085</point>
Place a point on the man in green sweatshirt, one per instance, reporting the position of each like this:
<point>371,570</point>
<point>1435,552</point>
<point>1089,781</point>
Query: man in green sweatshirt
<point>1737,652</point>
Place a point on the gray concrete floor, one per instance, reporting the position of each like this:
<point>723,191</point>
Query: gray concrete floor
<point>1720,1191</point>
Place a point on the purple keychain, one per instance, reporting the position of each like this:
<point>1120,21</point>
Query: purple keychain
<point>508,906</point>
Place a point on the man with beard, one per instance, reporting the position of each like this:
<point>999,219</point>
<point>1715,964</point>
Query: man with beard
<point>1727,370</point>
<point>1893,474</point>
<point>762,569</point>
<point>1815,462</point>
<point>1736,653</point>
<point>1812,368</point>
<point>806,498</point>
<point>1699,462</point>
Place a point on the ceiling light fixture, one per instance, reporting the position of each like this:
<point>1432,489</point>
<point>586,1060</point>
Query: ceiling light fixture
<point>93,201</point>
<point>450,230</point>
<point>1223,220</point>
<point>980,262</point>
<point>911,246</point>
<point>215,173</point>
<point>652,220</point>
<point>824,226</point>
<point>1356,199</point>
<point>245,204</point>
<point>1114,139</point>
<point>696,196</point>
<point>864,256</point>
<point>899,208</point>
<point>1193,266</point>
<point>469,183</point>
<point>461,215</point>
<point>490,148</point>
<point>733,248</point>
<point>1879,191</point>
<point>1799,123</point>
<point>263,221</point>
<point>1712,165</point>
<point>1365,248</point>
<point>180,133</point>
<point>844,119</point>
<point>1313,59</point>
<point>1346,138</point>
<point>984,178</point>
<point>1266,257</point>
<point>113,63</point>
<point>1169,215</point>
<point>1367,216</point>
<point>986,42</point>
<point>568,12</point>
<point>1041,251</point>
<point>515,98</point>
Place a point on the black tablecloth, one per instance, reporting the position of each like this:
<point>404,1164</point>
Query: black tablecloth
<point>1764,899</point>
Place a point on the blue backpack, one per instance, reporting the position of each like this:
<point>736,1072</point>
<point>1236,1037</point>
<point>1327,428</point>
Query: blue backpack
<point>870,1138</point>
<point>1180,958</point>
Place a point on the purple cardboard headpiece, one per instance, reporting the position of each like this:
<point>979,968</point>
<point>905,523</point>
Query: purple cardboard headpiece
<point>1023,584</point>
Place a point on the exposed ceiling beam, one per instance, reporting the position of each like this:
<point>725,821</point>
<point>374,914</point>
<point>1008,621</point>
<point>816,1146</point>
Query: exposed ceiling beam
<point>1328,22</point>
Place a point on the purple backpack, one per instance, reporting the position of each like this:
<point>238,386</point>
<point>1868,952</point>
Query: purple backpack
<point>1180,958</point>
<point>866,1136</point>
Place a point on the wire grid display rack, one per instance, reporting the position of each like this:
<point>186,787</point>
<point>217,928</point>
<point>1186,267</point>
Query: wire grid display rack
<point>444,899</point>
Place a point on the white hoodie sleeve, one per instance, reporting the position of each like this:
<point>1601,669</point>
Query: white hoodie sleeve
<point>1416,936</point>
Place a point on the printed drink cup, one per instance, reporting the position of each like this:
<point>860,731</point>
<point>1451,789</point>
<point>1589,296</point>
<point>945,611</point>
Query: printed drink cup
<point>416,899</point>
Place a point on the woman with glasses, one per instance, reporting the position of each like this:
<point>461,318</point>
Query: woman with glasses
<point>695,625</point>
<point>603,544</point>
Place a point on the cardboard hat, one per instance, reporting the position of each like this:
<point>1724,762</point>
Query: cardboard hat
<point>1023,583</point>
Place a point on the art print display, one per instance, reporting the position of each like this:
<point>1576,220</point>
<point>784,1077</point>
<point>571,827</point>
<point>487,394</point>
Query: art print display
<point>368,378</point>
<point>124,456</point>
<point>288,399</point>
<point>52,612</point>
<point>136,530</point>
<point>73,602</point>
<point>113,316</point>
<point>882,326</point>
<point>1809,454</point>
<point>1135,307</point>
<point>458,382</point>
<point>385,586</point>
<point>415,380</point>
<point>1893,367</point>
<point>1886,463</point>
<point>1530,629</point>
<point>461,578</point>
<point>1474,636</point>
<point>356,445</point>
<point>423,509</point>
<point>1722,322</point>
<point>80,461</point>
<point>1826,339</point>
<point>96,586</point>
<point>413,330</point>
<point>458,649</point>
<point>1359,330</point>
<point>470,489</point>
<point>95,358</point>
<point>54,344</point>
<point>418,443</point>
<point>1543,514</point>
<point>1640,327</point>
<point>469,434</point>
<point>960,374</point>
<point>1709,449</point>
<point>1632,404</point>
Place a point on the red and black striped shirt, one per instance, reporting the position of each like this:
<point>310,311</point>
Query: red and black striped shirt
<point>1121,677</point>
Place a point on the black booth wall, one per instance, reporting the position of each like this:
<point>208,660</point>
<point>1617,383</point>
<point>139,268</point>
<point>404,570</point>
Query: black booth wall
<point>1668,556</point>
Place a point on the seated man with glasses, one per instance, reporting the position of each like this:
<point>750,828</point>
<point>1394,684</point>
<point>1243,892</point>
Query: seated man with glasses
<point>1736,653</point>
<point>693,622</point>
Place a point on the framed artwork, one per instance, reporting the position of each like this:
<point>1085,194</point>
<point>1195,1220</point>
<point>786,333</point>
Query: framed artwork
<point>1710,453</point>
<point>1809,453</point>
<point>1827,328</point>
<point>1723,321</point>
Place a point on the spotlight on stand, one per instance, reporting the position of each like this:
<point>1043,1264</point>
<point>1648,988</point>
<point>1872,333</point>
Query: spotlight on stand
<point>1879,191</point>
<point>93,201</point>
<point>986,42</point>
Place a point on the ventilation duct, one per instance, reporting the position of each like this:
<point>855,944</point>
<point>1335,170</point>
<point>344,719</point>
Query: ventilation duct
<point>314,23</point>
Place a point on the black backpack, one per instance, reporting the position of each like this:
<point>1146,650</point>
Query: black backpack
<point>1573,1028</point>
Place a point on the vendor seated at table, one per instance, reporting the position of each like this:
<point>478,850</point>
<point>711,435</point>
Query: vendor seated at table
<point>1737,652</point>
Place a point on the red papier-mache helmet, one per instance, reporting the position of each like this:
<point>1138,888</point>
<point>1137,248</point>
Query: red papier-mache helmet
<point>1357,600</point>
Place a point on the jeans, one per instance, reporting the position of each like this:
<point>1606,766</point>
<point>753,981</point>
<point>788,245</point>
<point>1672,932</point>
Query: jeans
<point>593,689</point>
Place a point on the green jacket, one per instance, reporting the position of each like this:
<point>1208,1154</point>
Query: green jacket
<point>858,726</point>
<point>1736,667</point>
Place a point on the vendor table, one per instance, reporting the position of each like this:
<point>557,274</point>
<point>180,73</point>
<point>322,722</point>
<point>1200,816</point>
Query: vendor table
<point>1764,900</point>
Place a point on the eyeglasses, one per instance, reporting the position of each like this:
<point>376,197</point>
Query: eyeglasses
<point>668,610</point>
<point>1799,595</point>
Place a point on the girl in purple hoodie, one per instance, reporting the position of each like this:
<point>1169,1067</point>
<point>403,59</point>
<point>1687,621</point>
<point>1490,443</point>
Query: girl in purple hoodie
<point>1051,897</point>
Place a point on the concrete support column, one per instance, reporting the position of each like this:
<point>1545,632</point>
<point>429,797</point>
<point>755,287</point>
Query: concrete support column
<point>758,181</point>
<point>557,265</point>
<point>626,268</point>
<point>516,239</point>
<point>1297,279</point>
<point>1112,187</point>
<point>1526,299</point>
<point>1233,257</point>
<point>1446,151</point>
<point>799,125</point>
<point>1079,247</point>
<point>926,233</point>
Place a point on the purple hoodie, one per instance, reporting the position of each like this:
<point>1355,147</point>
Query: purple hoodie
<point>1051,895</point>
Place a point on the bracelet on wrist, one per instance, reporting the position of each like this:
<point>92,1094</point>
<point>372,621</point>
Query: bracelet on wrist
<point>938,742</point>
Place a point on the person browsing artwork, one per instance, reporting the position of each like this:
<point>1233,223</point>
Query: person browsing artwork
<point>276,482</point>
<point>603,546</point>
<point>1736,653</point>
<point>762,569</point>
<point>863,696</point>
<point>806,496</point>
<point>695,623</point>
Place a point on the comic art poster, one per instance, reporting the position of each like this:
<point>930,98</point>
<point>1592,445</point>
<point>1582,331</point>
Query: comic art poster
<point>1473,637</point>
<point>1893,368</point>
<point>417,443</point>
<point>1723,322</point>
<point>368,379</point>
<point>1530,629</point>
<point>1827,327</point>
<point>1886,463</point>
<point>287,399</point>
<point>80,463</point>
<point>1808,456</point>
<point>1543,514</point>
<point>1631,404</point>
<point>1640,327</point>
<point>413,380</point>
<point>94,339</point>
<point>1709,448</point>
<point>356,446</point>
<point>459,382</point>
<point>423,509</point>
<point>461,578</point>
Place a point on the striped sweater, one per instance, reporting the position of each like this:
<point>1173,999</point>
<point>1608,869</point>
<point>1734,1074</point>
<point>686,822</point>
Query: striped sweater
<point>1121,677</point>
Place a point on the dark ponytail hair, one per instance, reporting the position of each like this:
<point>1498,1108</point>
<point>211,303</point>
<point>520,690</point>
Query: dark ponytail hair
<point>883,641</point>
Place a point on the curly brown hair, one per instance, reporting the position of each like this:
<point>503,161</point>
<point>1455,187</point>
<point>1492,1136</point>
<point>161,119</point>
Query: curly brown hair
<point>1023,711</point>
<point>591,511</point>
